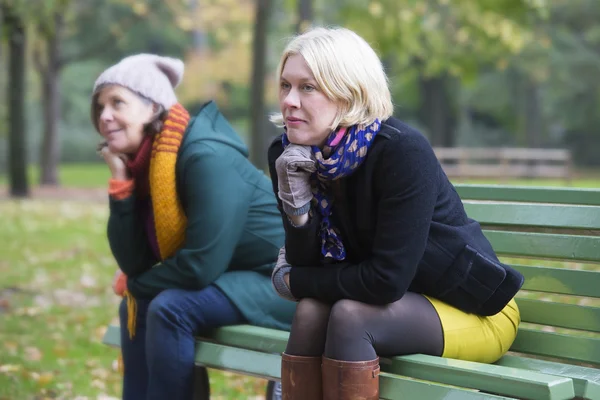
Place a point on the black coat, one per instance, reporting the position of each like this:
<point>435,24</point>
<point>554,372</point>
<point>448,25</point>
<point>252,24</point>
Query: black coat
<point>404,228</point>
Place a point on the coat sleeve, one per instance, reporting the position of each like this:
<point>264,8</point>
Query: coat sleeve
<point>302,244</point>
<point>127,237</point>
<point>217,209</point>
<point>405,182</point>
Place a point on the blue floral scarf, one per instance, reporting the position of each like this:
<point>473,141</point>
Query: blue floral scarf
<point>336,161</point>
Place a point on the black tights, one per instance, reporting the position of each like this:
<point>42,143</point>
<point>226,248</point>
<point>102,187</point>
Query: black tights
<point>352,331</point>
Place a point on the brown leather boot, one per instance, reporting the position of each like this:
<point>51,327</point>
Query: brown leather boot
<point>350,380</point>
<point>301,378</point>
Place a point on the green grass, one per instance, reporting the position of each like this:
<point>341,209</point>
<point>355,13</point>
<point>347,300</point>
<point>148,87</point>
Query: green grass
<point>72,175</point>
<point>56,301</point>
<point>94,175</point>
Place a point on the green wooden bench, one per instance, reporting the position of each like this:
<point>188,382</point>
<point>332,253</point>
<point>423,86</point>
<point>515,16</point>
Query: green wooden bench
<point>551,235</point>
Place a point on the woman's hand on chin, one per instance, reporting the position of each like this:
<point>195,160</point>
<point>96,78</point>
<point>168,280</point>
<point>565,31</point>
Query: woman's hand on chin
<point>116,163</point>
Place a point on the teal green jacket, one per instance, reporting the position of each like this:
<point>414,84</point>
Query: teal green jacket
<point>234,229</point>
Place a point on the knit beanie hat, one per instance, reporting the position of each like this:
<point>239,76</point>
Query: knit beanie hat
<point>152,76</point>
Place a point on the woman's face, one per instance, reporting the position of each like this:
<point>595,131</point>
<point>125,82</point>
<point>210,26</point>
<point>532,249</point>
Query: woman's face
<point>307,112</point>
<point>122,115</point>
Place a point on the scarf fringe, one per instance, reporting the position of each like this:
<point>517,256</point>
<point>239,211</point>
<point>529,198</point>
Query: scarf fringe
<point>131,314</point>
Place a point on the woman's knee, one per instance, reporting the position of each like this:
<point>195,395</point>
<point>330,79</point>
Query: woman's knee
<point>346,317</point>
<point>163,308</point>
<point>312,312</point>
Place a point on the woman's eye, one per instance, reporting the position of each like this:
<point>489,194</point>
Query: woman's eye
<point>308,88</point>
<point>118,102</point>
<point>284,85</point>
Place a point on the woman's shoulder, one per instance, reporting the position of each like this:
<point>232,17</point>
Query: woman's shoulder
<point>398,137</point>
<point>395,129</point>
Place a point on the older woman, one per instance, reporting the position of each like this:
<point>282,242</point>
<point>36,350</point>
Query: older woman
<point>193,225</point>
<point>379,251</point>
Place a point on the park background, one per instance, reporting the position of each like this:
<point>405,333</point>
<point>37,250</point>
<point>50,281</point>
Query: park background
<point>467,73</point>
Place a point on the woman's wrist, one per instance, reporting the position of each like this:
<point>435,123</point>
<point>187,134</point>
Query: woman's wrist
<point>299,220</point>
<point>120,175</point>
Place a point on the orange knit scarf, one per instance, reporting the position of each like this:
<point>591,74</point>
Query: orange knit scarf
<point>169,217</point>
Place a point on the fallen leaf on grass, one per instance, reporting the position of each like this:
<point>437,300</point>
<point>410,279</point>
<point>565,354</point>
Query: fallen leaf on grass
<point>4,305</point>
<point>8,368</point>
<point>44,378</point>
<point>28,311</point>
<point>100,332</point>
<point>60,350</point>
<point>88,281</point>
<point>11,347</point>
<point>98,384</point>
<point>32,353</point>
<point>115,366</point>
<point>100,373</point>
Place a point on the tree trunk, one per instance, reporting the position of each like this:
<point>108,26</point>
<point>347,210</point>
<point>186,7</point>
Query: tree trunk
<point>435,111</point>
<point>17,149</point>
<point>533,114</point>
<point>258,154</point>
<point>198,37</point>
<point>50,150</point>
<point>305,15</point>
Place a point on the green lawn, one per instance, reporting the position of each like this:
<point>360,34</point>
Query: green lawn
<point>56,301</point>
<point>73,175</point>
<point>96,175</point>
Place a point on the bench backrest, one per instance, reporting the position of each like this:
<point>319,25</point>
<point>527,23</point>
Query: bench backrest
<point>551,235</point>
<point>504,162</point>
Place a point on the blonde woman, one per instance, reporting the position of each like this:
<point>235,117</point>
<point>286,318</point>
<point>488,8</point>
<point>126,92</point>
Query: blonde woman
<point>379,251</point>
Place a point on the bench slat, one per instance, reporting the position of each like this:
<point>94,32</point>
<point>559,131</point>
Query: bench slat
<point>264,365</point>
<point>393,387</point>
<point>557,345</point>
<point>490,378</point>
<point>546,245</point>
<point>234,359</point>
<point>112,336</point>
<point>555,195</point>
<point>560,280</point>
<point>540,215</point>
<point>560,314</point>
<point>585,380</point>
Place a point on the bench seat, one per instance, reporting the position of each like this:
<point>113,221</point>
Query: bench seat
<point>551,235</point>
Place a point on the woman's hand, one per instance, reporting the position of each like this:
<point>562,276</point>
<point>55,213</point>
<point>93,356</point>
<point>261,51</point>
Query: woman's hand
<point>119,284</point>
<point>116,163</point>
<point>294,167</point>
<point>280,278</point>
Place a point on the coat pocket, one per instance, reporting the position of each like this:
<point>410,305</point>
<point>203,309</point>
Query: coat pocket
<point>484,277</point>
<point>487,285</point>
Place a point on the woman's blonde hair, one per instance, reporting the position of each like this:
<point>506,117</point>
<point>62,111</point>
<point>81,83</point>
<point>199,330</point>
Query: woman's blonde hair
<point>347,70</point>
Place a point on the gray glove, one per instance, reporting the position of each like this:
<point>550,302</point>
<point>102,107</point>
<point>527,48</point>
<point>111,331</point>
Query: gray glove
<point>281,268</point>
<point>294,167</point>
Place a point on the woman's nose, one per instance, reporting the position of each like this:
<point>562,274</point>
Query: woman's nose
<point>292,100</point>
<point>106,114</point>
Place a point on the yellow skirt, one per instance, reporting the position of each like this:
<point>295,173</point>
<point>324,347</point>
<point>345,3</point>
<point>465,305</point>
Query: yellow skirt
<point>472,337</point>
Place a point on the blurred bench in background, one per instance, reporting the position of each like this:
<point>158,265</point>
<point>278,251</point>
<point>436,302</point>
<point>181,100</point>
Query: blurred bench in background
<point>503,163</point>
